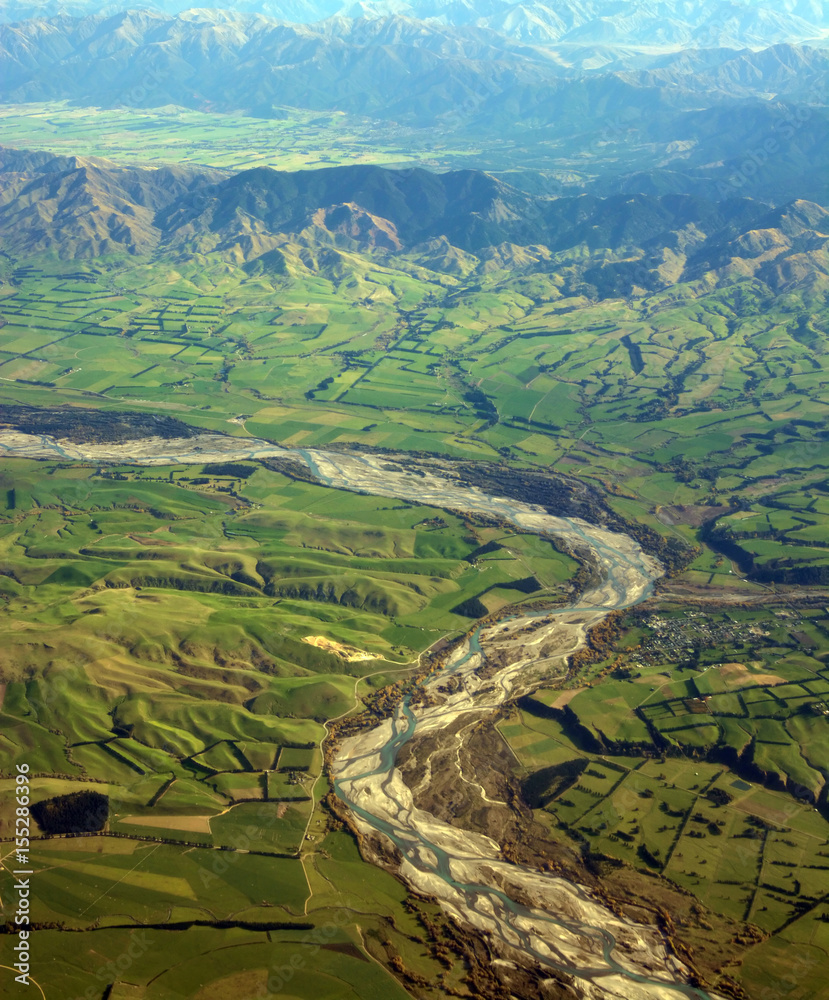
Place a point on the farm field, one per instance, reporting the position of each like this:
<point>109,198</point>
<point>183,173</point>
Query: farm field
<point>167,942</point>
<point>289,138</point>
<point>300,139</point>
<point>417,360</point>
<point>685,752</point>
<point>747,687</point>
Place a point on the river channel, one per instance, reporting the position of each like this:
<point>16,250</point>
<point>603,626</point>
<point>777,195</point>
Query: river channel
<point>545,918</point>
<point>527,916</point>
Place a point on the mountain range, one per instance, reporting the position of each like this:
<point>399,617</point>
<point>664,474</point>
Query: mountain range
<point>264,59</point>
<point>633,118</point>
<point>388,66</point>
<point>602,22</point>
<point>456,223</point>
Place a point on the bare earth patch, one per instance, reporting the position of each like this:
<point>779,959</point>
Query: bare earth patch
<point>736,674</point>
<point>693,514</point>
<point>244,794</point>
<point>771,815</point>
<point>566,697</point>
<point>193,824</point>
<point>250,983</point>
<point>351,654</point>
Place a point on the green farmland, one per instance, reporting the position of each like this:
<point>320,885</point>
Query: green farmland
<point>395,356</point>
<point>704,768</point>
<point>157,652</point>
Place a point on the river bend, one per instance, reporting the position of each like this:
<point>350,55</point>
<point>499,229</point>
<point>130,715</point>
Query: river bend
<point>523,913</point>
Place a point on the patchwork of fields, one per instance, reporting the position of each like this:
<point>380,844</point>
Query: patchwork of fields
<point>296,140</point>
<point>188,606</point>
<point>705,768</point>
<point>156,652</point>
<point>683,399</point>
